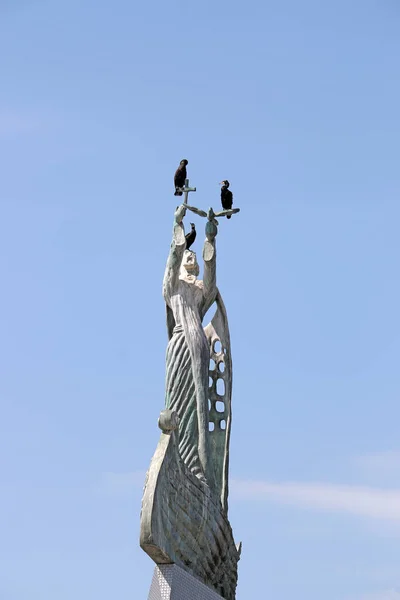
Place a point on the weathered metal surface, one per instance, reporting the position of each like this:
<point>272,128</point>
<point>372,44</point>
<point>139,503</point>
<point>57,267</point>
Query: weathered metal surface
<point>184,510</point>
<point>182,523</point>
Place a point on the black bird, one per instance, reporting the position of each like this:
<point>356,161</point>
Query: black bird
<point>226,197</point>
<point>180,176</point>
<point>190,237</point>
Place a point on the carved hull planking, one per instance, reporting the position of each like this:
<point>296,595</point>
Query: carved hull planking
<point>183,523</point>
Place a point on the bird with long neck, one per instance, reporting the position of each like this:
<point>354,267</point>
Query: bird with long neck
<point>191,236</point>
<point>226,196</point>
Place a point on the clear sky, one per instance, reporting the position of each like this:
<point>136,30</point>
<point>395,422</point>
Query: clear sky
<point>298,105</point>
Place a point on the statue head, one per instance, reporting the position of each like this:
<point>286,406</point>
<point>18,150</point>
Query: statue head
<point>189,264</point>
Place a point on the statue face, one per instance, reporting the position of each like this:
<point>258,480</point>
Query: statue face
<point>189,262</point>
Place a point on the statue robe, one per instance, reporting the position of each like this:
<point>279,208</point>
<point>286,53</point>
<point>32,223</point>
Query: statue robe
<point>188,354</point>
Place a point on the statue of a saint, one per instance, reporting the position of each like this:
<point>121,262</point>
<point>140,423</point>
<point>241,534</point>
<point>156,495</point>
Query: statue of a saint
<point>184,518</point>
<point>188,353</point>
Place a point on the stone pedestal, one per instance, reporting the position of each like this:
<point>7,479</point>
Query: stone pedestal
<point>170,582</point>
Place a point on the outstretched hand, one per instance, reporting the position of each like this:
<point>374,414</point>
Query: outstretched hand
<point>211,226</point>
<point>211,230</point>
<point>180,213</point>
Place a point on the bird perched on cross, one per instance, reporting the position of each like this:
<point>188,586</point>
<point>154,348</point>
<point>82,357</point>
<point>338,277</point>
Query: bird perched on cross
<point>180,177</point>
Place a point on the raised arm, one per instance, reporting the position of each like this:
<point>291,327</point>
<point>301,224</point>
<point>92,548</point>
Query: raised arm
<point>210,263</point>
<point>177,249</point>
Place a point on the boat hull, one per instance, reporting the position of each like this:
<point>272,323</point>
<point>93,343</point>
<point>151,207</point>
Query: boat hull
<point>183,522</point>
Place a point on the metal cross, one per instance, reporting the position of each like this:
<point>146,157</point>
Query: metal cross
<point>186,191</point>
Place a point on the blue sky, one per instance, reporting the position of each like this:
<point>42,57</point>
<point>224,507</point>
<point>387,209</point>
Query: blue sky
<point>297,104</point>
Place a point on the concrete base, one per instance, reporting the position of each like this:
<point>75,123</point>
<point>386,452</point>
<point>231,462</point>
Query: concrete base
<point>173,583</point>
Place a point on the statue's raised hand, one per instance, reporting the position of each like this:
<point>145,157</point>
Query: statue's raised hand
<point>211,226</point>
<point>180,213</point>
<point>211,230</point>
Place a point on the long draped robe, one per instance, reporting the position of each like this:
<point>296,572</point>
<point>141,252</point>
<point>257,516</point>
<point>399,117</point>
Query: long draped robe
<point>188,353</point>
